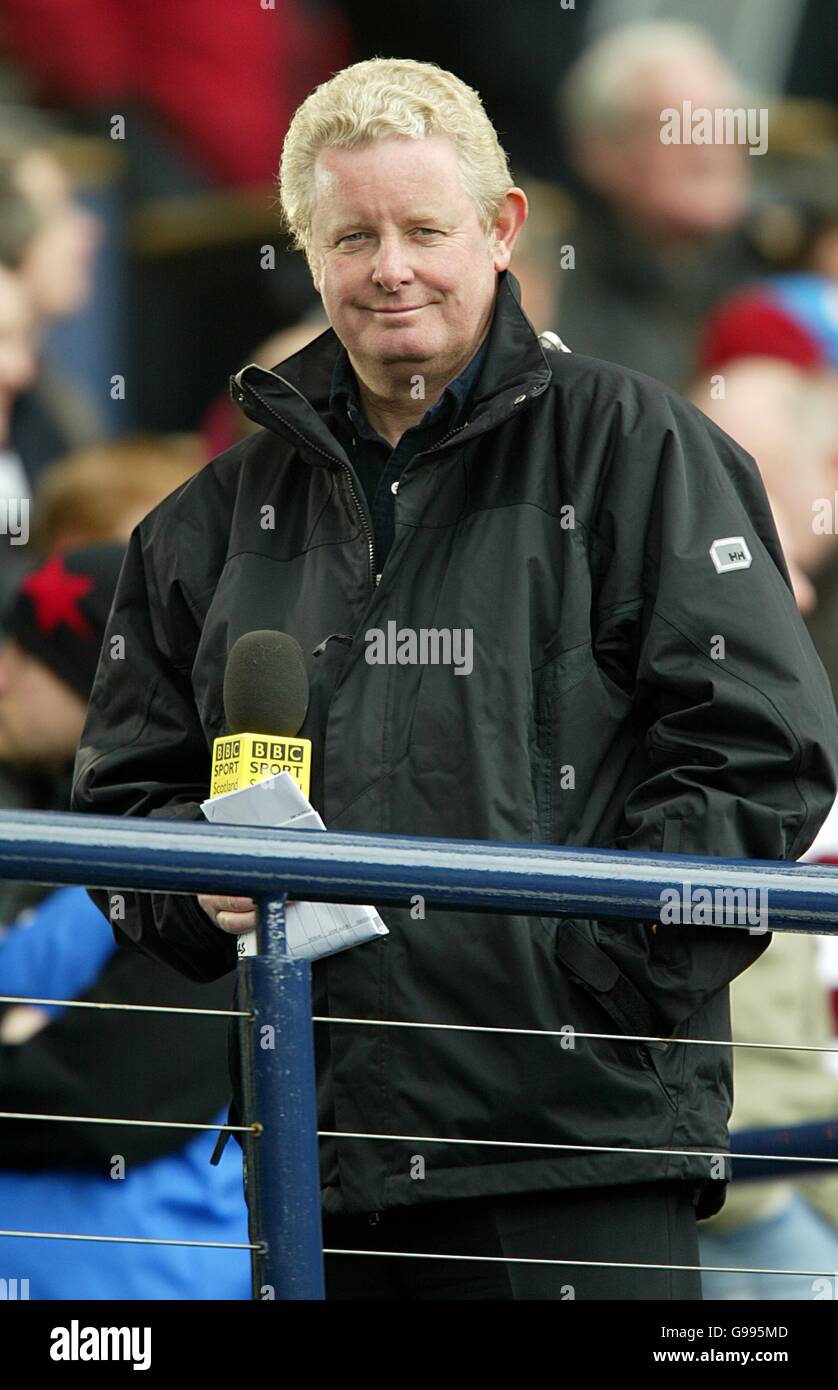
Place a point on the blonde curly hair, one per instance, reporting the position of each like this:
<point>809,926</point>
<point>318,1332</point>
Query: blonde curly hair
<point>382,97</point>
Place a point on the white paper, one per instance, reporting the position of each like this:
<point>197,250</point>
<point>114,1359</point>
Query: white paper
<point>312,930</point>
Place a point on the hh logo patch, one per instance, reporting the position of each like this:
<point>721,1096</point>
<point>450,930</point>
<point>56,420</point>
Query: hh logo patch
<point>730,553</point>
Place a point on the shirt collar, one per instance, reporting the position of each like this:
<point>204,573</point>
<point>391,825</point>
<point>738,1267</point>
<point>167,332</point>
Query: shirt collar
<point>344,397</point>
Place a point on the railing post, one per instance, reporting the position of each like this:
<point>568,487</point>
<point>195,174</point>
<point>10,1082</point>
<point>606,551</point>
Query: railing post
<point>279,1093</point>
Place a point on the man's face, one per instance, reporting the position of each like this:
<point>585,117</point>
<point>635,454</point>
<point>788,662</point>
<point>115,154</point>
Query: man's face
<point>406,273</point>
<point>688,190</point>
<point>41,718</point>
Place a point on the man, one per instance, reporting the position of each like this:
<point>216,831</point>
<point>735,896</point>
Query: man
<point>775,345</point>
<point>658,237</point>
<point>51,243</point>
<point>99,1179</point>
<point>426,463</point>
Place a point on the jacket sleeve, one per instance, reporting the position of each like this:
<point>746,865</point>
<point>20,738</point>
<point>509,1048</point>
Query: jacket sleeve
<point>143,752</point>
<point>741,741</point>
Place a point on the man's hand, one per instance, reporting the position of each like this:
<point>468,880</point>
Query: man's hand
<point>230,914</point>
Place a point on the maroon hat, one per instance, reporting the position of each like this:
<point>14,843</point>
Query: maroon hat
<point>61,609</point>
<point>793,317</point>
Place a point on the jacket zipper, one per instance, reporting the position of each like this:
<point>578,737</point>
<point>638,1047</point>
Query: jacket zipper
<point>439,443</point>
<point>245,386</point>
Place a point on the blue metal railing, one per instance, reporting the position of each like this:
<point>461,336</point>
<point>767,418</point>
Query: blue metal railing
<point>272,865</point>
<point>193,857</point>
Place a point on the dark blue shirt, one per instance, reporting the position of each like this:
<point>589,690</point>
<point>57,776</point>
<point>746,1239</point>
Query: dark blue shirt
<point>378,464</point>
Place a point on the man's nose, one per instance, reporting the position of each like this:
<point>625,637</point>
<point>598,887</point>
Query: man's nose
<point>392,267</point>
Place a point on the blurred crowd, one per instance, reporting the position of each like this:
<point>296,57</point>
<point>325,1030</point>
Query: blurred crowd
<point>142,263</point>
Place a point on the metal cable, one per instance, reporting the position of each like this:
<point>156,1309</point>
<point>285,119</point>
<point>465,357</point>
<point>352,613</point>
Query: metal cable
<point>412,1023</point>
<point>590,1264</point>
<point>399,1023</point>
<point>575,1148</point>
<point>116,1120</point>
<point>133,1240</point>
<point>135,1008</point>
<point>257,1129</point>
<point>415,1255</point>
<point>557,1033</point>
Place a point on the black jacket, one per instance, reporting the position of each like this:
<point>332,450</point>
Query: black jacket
<point>598,712</point>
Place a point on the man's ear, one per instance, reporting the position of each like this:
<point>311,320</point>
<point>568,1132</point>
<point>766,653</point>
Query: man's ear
<point>510,220</point>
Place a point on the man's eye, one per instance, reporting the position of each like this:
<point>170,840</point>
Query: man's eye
<point>431,230</point>
<point>350,235</point>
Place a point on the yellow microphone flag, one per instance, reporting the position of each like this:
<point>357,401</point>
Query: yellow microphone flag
<point>242,760</point>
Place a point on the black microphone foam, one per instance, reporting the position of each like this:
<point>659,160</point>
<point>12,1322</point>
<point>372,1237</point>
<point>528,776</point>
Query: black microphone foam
<point>266,684</point>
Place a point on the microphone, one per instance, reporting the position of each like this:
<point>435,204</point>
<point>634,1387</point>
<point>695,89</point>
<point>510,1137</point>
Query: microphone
<point>266,689</point>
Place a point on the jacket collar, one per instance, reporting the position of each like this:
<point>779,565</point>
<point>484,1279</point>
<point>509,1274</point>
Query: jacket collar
<point>293,398</point>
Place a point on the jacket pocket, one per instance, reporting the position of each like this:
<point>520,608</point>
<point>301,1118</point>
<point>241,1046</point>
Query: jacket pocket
<point>594,970</point>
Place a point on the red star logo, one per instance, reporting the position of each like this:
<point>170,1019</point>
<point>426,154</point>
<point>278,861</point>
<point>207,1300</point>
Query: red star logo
<point>55,594</point>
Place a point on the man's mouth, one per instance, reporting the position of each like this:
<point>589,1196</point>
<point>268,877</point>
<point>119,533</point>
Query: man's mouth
<point>408,309</point>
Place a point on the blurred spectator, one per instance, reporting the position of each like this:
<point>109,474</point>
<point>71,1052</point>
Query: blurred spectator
<point>101,493</point>
<point>786,46</point>
<point>790,317</point>
<point>777,1224</point>
<point>17,362</point>
<point>57,259</point>
<point>51,242</point>
<point>218,82</point>
<point>100,1179</point>
<point>768,378</point>
<point>98,494</point>
<point>658,237</point>
<point>768,358</point>
<point>17,371</point>
<point>787,418</point>
<point>193,137</point>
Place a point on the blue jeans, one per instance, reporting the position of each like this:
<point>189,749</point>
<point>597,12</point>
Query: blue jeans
<point>798,1237</point>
